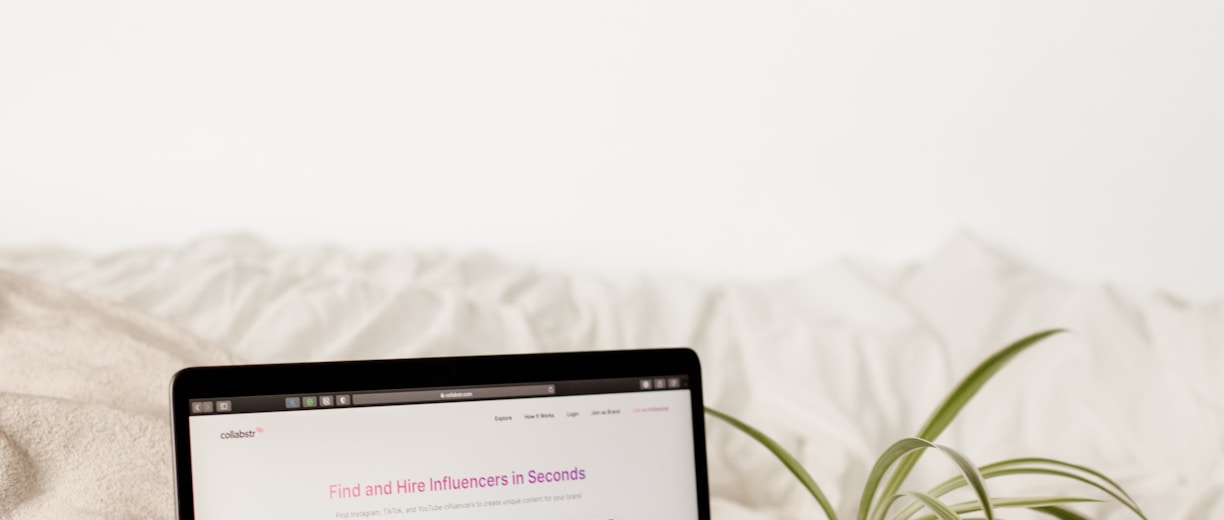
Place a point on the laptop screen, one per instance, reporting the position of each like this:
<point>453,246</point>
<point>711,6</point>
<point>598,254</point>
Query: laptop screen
<point>589,449</point>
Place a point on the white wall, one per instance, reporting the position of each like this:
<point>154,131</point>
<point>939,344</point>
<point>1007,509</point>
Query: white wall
<point>746,137</point>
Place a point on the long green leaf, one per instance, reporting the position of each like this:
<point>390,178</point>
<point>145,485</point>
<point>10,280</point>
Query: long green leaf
<point>921,499</point>
<point>1054,462</point>
<point>899,450</point>
<point>941,510</point>
<point>1016,502</point>
<point>1030,466</point>
<point>956,400</point>
<point>1061,513</point>
<point>787,459</point>
<point>1072,476</point>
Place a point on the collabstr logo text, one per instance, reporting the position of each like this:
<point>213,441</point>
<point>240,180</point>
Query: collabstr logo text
<point>241,434</point>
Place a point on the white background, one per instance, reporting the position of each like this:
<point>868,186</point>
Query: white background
<point>719,137</point>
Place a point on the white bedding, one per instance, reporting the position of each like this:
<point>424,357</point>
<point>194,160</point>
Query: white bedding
<point>835,362</point>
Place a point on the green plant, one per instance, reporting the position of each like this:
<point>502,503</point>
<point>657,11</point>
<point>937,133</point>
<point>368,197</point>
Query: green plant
<point>876,502</point>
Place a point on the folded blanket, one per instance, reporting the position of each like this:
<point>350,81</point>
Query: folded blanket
<point>835,362</point>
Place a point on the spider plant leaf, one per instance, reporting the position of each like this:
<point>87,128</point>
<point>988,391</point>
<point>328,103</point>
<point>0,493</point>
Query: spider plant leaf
<point>899,450</point>
<point>787,459</point>
<point>1032,466</point>
<point>941,510</point>
<point>1121,499</point>
<point>1054,462</point>
<point>1022,502</point>
<point>1061,513</point>
<point>956,400</point>
<point>1016,502</point>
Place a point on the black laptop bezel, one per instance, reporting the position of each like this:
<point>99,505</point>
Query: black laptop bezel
<point>354,376</point>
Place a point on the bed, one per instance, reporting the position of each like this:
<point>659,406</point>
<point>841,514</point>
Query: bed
<point>835,362</point>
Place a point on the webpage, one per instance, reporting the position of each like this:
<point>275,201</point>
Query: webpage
<point>578,457</point>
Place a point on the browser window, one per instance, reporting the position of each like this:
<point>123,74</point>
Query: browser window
<point>595,449</point>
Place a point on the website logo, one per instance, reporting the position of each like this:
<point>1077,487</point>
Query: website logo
<point>242,434</point>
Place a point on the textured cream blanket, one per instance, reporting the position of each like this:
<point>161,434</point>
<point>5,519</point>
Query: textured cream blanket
<point>835,362</point>
<point>84,427</point>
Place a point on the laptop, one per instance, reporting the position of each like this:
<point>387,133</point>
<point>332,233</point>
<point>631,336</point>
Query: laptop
<point>614,435</point>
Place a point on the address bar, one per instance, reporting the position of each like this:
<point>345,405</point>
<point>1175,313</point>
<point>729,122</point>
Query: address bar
<point>453,394</point>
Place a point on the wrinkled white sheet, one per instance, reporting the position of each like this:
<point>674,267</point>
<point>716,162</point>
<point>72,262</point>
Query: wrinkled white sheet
<point>836,362</point>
